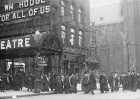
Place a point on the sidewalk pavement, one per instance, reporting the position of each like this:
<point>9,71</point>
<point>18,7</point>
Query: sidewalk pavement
<point>25,93</point>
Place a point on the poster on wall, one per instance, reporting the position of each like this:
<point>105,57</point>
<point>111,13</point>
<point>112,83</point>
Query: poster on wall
<point>42,61</point>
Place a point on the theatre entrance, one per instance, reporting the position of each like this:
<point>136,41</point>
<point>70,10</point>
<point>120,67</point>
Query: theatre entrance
<point>42,55</point>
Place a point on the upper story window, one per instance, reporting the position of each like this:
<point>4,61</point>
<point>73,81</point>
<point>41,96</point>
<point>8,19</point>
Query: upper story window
<point>101,18</point>
<point>72,36</point>
<point>63,8</point>
<point>80,15</point>
<point>80,38</point>
<point>72,11</point>
<point>63,33</point>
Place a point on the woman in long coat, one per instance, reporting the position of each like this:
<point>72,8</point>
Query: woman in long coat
<point>86,82</point>
<point>92,83</point>
<point>103,83</point>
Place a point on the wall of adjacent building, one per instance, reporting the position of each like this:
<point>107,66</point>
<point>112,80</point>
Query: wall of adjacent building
<point>110,38</point>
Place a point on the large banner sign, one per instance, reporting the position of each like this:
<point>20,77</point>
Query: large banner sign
<point>23,9</point>
<point>14,43</point>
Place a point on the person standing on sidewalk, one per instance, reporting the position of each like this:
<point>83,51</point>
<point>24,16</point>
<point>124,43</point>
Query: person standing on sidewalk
<point>46,82</point>
<point>103,83</point>
<point>29,81</point>
<point>138,82</point>
<point>111,81</point>
<point>135,81</point>
<point>66,84</point>
<point>73,83</point>
<point>122,80</point>
<point>2,84</point>
<point>86,83</point>
<point>116,88</point>
<point>129,81</point>
<point>92,81</point>
<point>52,81</point>
<point>59,84</point>
<point>17,81</point>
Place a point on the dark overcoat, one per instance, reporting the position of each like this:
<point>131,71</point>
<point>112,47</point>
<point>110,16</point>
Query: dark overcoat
<point>92,81</point>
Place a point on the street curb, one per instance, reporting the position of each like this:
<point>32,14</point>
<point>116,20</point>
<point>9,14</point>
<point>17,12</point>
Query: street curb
<point>28,95</point>
<point>36,94</point>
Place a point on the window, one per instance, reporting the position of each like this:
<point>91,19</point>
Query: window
<point>63,33</point>
<point>63,6</point>
<point>72,11</point>
<point>79,15</point>
<point>72,36</point>
<point>80,38</point>
<point>101,18</point>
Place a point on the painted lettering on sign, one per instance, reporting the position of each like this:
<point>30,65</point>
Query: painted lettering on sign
<point>42,61</point>
<point>15,43</point>
<point>18,14</point>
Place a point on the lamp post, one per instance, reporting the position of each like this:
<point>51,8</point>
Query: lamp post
<point>37,38</point>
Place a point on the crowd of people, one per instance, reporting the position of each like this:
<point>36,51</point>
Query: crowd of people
<point>60,83</point>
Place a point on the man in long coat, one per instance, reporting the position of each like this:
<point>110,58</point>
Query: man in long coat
<point>129,81</point>
<point>30,82</point>
<point>17,81</point>
<point>59,84</point>
<point>122,80</point>
<point>112,81</point>
<point>135,81</point>
<point>116,88</point>
<point>52,81</point>
<point>66,84</point>
<point>92,81</point>
<point>73,83</point>
<point>46,82</point>
<point>2,83</point>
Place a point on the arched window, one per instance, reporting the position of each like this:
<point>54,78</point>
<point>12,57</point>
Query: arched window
<point>80,38</point>
<point>72,11</point>
<point>63,8</point>
<point>80,15</point>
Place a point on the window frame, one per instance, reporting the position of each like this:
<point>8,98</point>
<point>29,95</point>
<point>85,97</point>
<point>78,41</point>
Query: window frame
<point>80,12</point>
<point>80,37</point>
<point>72,32</point>
<point>63,8</point>
<point>63,33</point>
<point>72,12</point>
